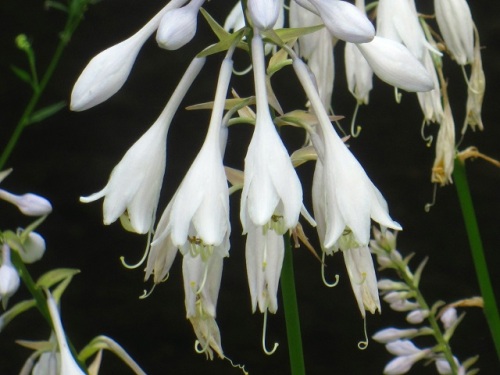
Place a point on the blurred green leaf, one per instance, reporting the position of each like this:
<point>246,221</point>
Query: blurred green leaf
<point>46,112</point>
<point>53,277</point>
<point>22,74</point>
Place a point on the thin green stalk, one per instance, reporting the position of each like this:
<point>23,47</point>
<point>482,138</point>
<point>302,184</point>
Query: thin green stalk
<point>291,312</point>
<point>74,18</point>
<point>490,305</point>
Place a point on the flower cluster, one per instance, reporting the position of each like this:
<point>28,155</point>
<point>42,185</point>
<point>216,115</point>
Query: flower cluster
<point>404,296</point>
<point>196,222</point>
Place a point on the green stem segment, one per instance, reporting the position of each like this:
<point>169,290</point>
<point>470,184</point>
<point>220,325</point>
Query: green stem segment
<point>291,312</point>
<point>490,305</point>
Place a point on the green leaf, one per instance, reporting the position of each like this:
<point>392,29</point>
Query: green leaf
<point>46,112</point>
<point>216,28</point>
<point>56,5</point>
<point>55,276</point>
<point>224,44</point>
<point>229,104</point>
<point>292,33</point>
<point>22,74</point>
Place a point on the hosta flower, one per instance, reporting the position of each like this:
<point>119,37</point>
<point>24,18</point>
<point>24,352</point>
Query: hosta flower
<point>264,259</point>
<point>178,26</point>
<point>9,278</point>
<point>106,73</point>
<point>455,22</point>
<point>475,91</point>
<point>33,248</point>
<point>392,334</point>
<point>430,101</point>
<point>349,197</point>
<point>235,19</point>
<point>67,363</point>
<point>445,149</point>
<point>407,355</point>
<point>344,20</point>
<point>359,264</point>
<point>395,65</point>
<point>271,186</point>
<point>359,74</point>
<point>135,183</point>
<point>264,13</point>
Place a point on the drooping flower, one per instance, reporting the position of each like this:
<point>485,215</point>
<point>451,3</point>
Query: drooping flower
<point>457,28</point>
<point>395,65</point>
<point>106,73</point>
<point>135,182</point>
<point>178,26</point>
<point>264,258</point>
<point>349,198</point>
<point>358,73</point>
<point>9,278</point>
<point>271,186</point>
<point>67,363</point>
<point>445,148</point>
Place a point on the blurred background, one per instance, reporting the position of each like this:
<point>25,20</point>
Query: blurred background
<point>72,154</point>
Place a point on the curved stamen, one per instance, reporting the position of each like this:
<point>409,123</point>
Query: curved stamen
<point>144,256</point>
<point>204,280</point>
<point>337,277</point>
<point>362,345</point>
<point>264,328</point>
<point>397,95</point>
<point>355,133</point>
<point>426,138</point>
<point>242,72</point>
<point>428,206</point>
<point>203,349</point>
<point>146,294</point>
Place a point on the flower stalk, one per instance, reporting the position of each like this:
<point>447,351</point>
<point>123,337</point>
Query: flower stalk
<point>476,245</point>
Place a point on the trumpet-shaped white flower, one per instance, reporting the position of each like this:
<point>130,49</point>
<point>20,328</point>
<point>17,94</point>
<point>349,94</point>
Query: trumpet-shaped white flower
<point>29,204</point>
<point>349,197</point>
<point>264,259</point>
<point>264,13</point>
<point>135,183</point>
<point>358,73</point>
<point>106,73</point>
<point>344,20</point>
<point>394,64</point>
<point>359,264</point>
<point>9,278</point>
<point>178,26</point>
<point>271,186</point>
<point>67,363</point>
<point>457,28</point>
<point>430,101</point>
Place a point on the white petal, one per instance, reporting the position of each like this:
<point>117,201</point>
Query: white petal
<point>264,13</point>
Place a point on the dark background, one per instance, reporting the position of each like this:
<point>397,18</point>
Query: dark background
<point>72,154</point>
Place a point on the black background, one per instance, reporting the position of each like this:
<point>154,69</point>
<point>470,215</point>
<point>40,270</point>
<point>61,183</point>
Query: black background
<point>72,154</point>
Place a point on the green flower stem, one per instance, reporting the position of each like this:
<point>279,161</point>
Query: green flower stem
<point>75,15</point>
<point>291,312</point>
<point>490,305</point>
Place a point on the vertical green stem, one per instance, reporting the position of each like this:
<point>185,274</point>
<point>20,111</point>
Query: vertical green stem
<point>490,306</point>
<point>291,312</point>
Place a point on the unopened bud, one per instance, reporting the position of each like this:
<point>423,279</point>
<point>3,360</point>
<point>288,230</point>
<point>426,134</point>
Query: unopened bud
<point>29,204</point>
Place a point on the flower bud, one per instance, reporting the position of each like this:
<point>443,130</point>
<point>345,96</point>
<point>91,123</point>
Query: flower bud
<point>345,21</point>
<point>392,334</point>
<point>29,204</point>
<point>264,13</point>
<point>449,317</point>
<point>34,248</point>
<point>9,278</point>
<point>178,26</point>
<point>417,316</point>
<point>394,64</point>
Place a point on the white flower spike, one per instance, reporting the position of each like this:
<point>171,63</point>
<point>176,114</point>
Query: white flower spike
<point>178,26</point>
<point>135,183</point>
<point>106,73</point>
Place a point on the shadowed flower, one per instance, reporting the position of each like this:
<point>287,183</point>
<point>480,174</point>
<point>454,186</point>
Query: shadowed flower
<point>9,278</point>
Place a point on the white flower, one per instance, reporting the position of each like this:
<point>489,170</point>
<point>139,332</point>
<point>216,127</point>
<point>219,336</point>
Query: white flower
<point>407,355</point>
<point>430,101</point>
<point>455,22</point>
<point>349,197</point>
<point>417,316</point>
<point>449,317</point>
<point>392,334</point>
<point>443,366</point>
<point>9,278</point>
<point>29,204</point>
<point>344,20</point>
<point>235,19</point>
<point>359,264</point>
<point>271,186</point>
<point>395,65</point>
<point>358,73</point>
<point>178,26</point>
<point>106,73</point>
<point>201,286</point>
<point>264,259</point>
<point>68,365</point>
<point>135,183</point>
<point>445,148</point>
<point>264,13</point>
